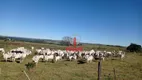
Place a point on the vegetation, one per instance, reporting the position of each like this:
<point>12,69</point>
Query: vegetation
<point>66,41</point>
<point>30,65</point>
<point>128,69</point>
<point>134,48</point>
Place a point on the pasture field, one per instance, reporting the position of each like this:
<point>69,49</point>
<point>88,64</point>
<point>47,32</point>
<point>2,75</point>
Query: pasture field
<point>128,69</point>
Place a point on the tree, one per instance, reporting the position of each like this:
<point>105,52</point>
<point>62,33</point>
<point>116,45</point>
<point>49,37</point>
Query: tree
<point>134,48</point>
<point>66,41</point>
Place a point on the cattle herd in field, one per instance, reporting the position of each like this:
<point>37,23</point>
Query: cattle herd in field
<point>21,53</point>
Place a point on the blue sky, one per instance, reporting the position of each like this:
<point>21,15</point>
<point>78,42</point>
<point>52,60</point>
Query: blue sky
<point>115,22</point>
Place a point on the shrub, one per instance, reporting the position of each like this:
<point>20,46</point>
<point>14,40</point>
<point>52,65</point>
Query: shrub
<point>30,65</point>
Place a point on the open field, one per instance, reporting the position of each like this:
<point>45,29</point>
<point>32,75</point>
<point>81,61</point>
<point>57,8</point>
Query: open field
<point>128,69</point>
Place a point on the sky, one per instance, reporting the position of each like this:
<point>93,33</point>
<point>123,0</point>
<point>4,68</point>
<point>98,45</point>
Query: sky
<point>114,22</point>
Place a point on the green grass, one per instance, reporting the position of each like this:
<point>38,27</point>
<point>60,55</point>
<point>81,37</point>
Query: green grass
<point>128,69</point>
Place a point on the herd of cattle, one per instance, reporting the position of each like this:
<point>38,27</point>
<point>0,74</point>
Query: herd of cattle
<point>21,53</point>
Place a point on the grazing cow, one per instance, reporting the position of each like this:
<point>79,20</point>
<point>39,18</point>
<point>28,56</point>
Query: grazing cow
<point>72,57</point>
<point>42,48</point>
<point>6,56</point>
<point>48,57</point>
<point>88,58</point>
<point>101,56</point>
<point>122,55</point>
<point>32,48</point>
<point>36,58</point>
<point>38,51</point>
<point>2,50</point>
<point>57,58</point>
<point>108,54</point>
<point>56,55</point>
<point>18,53</point>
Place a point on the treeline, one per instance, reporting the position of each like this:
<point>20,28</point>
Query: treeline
<point>68,41</point>
<point>13,39</point>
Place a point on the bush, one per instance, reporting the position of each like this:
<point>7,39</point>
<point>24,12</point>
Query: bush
<point>30,65</point>
<point>134,48</point>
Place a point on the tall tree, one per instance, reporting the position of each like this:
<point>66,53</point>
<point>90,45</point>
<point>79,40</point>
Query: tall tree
<point>134,48</point>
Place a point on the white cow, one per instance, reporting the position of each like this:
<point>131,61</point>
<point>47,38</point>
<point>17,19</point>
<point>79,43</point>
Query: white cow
<point>2,50</point>
<point>42,48</point>
<point>6,56</point>
<point>38,51</point>
<point>36,58</point>
<point>89,58</point>
<point>73,56</point>
<point>19,53</point>
<point>122,55</point>
<point>20,56</point>
<point>32,48</point>
<point>57,58</point>
<point>48,57</point>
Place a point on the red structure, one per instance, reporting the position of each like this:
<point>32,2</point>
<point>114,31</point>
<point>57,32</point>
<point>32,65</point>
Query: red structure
<point>74,47</point>
<point>74,41</point>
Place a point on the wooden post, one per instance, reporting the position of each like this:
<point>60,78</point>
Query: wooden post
<point>99,70</point>
<point>0,71</point>
<point>114,74</point>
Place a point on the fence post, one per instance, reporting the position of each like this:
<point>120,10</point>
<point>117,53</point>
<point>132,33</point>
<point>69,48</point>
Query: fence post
<point>0,71</point>
<point>114,74</point>
<point>99,70</point>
